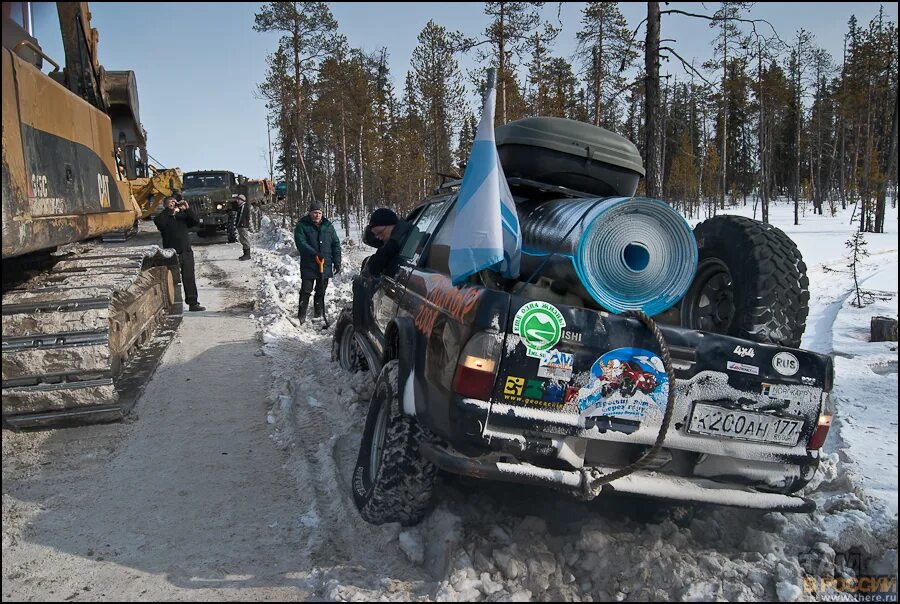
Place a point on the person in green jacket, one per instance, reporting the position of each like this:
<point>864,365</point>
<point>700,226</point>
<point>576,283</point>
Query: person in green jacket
<point>320,258</point>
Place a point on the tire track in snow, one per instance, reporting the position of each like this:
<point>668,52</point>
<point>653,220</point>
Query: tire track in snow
<point>320,413</point>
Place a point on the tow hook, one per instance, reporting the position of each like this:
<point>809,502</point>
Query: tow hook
<point>590,484</point>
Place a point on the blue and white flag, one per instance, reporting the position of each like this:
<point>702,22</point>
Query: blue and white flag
<point>486,233</point>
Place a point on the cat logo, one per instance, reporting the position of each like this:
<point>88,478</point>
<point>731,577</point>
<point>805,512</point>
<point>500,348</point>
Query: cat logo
<point>103,190</point>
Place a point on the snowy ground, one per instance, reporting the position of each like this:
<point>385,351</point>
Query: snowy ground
<point>487,541</point>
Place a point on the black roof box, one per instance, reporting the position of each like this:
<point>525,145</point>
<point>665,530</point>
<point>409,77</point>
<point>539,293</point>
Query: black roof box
<point>570,154</point>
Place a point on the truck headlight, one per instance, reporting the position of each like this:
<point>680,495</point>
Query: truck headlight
<point>218,206</point>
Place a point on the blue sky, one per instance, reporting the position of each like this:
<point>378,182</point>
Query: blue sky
<point>198,64</point>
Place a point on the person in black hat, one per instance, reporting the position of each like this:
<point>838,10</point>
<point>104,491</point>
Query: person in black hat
<point>242,221</point>
<point>320,258</point>
<point>388,233</point>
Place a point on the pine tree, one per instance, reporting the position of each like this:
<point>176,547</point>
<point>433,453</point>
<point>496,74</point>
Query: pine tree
<point>439,90</point>
<point>605,50</point>
<point>512,23</point>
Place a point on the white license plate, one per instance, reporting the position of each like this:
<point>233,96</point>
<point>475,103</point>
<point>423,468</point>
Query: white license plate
<point>744,425</point>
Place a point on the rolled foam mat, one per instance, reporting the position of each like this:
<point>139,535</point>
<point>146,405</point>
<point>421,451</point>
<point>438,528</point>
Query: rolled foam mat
<point>627,253</point>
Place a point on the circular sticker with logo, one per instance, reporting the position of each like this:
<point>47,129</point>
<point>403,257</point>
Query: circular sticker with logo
<point>785,363</point>
<point>628,383</point>
<point>540,325</point>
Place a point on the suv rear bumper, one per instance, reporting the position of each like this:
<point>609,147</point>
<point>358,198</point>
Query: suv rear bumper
<point>653,484</point>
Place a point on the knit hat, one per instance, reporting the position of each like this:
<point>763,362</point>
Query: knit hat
<point>383,217</point>
<point>315,206</point>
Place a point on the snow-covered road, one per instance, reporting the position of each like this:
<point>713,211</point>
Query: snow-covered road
<point>149,510</point>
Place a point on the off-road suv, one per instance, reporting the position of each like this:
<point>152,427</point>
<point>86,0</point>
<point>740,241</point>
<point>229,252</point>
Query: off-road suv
<point>479,379</point>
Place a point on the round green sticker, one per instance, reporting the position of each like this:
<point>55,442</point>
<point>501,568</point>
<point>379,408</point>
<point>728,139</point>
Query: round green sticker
<point>540,326</point>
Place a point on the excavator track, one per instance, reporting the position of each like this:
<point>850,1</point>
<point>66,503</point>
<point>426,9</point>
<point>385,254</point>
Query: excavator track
<point>81,340</point>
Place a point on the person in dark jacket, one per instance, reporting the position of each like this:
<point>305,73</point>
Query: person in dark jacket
<point>320,258</point>
<point>173,224</point>
<point>243,224</point>
<point>388,233</point>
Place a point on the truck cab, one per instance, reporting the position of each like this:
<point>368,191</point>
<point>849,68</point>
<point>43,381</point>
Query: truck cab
<point>209,194</point>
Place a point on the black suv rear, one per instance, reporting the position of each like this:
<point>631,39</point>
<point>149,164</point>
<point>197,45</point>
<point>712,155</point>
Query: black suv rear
<point>477,380</point>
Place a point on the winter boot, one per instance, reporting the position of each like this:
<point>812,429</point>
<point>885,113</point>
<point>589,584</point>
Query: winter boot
<point>301,308</point>
<point>318,307</point>
<point>246,255</point>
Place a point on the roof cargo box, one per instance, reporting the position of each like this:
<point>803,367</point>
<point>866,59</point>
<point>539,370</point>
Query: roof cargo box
<point>570,154</point>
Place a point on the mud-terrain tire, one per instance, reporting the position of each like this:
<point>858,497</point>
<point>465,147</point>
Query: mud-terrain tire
<point>392,482</point>
<point>344,348</point>
<point>751,283</point>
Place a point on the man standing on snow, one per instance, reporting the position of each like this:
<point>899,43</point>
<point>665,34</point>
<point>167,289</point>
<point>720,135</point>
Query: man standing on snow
<point>173,224</point>
<point>320,258</point>
<point>243,224</point>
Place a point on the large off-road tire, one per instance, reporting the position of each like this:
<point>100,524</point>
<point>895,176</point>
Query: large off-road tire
<point>392,482</point>
<point>751,283</point>
<point>344,347</point>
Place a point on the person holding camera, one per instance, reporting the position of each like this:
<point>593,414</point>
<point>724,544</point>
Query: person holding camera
<point>173,224</point>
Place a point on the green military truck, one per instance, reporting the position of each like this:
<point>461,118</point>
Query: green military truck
<point>210,194</point>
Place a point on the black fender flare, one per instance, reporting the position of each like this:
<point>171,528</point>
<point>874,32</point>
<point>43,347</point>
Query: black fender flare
<point>360,294</point>
<point>401,343</point>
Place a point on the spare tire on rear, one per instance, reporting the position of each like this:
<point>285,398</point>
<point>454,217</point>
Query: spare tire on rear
<point>751,283</point>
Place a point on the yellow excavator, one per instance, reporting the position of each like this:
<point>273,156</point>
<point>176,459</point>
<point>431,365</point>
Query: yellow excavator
<point>84,323</point>
<point>149,191</point>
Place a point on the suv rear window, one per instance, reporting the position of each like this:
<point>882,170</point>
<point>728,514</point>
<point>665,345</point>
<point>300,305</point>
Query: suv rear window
<point>425,224</point>
<point>439,252</point>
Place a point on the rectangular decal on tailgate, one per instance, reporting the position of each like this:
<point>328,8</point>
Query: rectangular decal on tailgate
<point>556,365</point>
<point>751,369</point>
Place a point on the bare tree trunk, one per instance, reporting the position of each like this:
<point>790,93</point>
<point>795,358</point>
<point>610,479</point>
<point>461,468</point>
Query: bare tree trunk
<point>502,65</point>
<point>799,118</point>
<point>724,120</point>
<point>763,189</point>
<point>345,211</point>
<point>865,219</point>
<point>653,138</point>
<point>362,190</point>
<point>886,174</point>
<point>843,164</point>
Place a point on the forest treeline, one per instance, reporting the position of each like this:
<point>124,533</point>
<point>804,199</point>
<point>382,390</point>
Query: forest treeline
<point>769,115</point>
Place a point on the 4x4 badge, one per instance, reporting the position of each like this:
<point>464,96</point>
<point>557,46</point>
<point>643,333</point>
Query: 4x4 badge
<point>540,326</point>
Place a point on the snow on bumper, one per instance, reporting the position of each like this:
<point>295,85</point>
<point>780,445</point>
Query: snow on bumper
<point>642,482</point>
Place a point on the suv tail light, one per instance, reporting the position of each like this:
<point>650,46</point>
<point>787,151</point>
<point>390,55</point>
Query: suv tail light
<point>821,431</point>
<point>477,367</point>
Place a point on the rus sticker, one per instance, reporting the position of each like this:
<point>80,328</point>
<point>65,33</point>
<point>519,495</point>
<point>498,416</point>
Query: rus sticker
<point>785,363</point>
<point>556,365</point>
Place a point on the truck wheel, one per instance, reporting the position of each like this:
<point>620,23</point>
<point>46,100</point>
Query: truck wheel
<point>391,481</point>
<point>344,348</point>
<point>751,283</point>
